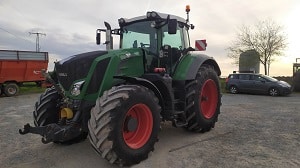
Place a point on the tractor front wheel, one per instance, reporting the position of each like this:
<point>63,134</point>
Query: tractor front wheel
<point>47,111</point>
<point>203,100</point>
<point>124,124</point>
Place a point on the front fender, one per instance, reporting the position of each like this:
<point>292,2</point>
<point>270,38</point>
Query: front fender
<point>188,67</point>
<point>146,83</point>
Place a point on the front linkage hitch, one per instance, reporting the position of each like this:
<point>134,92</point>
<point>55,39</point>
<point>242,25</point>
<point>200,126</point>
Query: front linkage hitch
<point>53,132</point>
<point>61,132</point>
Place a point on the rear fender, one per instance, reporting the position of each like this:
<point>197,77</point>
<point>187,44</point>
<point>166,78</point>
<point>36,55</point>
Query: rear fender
<point>188,67</point>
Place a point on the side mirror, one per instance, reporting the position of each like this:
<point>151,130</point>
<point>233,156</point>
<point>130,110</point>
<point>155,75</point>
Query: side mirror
<point>172,26</point>
<point>98,37</point>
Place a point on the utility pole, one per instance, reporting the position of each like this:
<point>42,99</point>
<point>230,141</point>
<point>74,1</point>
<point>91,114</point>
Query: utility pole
<point>37,39</point>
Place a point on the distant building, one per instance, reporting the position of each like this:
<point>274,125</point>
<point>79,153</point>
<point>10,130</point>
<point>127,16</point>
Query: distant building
<point>249,62</point>
<point>296,75</point>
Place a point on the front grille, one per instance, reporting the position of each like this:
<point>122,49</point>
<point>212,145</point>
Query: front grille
<point>75,67</point>
<point>98,75</point>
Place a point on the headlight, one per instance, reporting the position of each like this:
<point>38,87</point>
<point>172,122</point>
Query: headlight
<point>75,91</point>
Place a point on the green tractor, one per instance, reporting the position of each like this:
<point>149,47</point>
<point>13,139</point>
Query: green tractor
<point>118,98</point>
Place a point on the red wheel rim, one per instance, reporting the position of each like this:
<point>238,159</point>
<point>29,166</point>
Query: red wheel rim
<point>208,98</point>
<point>137,126</point>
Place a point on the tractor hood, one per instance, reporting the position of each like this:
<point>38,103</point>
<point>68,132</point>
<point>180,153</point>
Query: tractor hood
<point>75,67</point>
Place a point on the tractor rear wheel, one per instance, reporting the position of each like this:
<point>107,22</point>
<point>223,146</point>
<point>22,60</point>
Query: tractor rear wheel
<point>124,124</point>
<point>46,111</point>
<point>203,100</point>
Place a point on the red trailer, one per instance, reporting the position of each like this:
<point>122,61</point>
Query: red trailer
<point>17,67</point>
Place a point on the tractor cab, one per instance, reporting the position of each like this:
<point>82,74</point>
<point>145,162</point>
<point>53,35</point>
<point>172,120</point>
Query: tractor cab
<point>163,38</point>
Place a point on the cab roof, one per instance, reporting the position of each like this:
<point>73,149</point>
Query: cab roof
<point>151,16</point>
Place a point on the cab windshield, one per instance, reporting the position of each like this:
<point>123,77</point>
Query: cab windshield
<point>146,35</point>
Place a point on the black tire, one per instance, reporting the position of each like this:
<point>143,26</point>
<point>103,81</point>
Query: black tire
<point>47,111</point>
<point>114,121</point>
<point>203,100</point>
<point>233,89</point>
<point>273,92</point>
<point>11,89</point>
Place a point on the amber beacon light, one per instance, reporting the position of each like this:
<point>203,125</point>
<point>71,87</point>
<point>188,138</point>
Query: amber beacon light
<point>187,8</point>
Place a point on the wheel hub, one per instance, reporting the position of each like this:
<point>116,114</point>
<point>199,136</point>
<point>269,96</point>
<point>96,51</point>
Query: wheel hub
<point>131,124</point>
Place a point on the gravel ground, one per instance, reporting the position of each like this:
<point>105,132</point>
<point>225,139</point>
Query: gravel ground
<point>252,131</point>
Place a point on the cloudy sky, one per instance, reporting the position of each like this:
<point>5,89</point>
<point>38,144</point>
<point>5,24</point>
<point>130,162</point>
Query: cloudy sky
<point>70,25</point>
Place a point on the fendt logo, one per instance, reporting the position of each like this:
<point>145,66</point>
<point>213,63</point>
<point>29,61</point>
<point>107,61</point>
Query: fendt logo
<point>63,74</point>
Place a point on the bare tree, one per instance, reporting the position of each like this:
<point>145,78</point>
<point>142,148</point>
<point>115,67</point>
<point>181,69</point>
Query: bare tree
<point>266,38</point>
